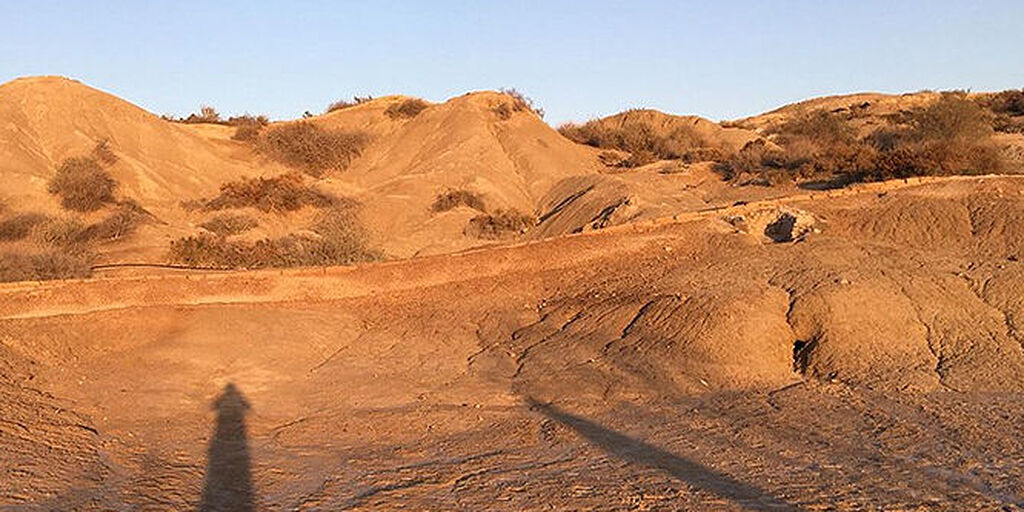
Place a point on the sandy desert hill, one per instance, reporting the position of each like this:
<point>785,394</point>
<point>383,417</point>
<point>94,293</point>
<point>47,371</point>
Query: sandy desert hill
<point>659,337</point>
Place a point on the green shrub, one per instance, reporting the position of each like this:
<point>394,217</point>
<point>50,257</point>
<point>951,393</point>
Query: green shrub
<point>406,109</point>
<point>453,198</point>
<point>82,185</point>
<point>308,147</point>
<point>282,193</point>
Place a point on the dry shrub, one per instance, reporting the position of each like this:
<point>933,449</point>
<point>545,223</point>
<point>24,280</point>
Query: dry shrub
<point>122,222</point>
<point>206,115</point>
<point>229,224</point>
<point>66,233</point>
<point>287,192</point>
<point>952,135</point>
<point>343,104</point>
<point>1009,102</point>
<point>339,240</point>
<point>500,224</point>
<point>638,138</point>
<point>308,147</point>
<point>82,185</point>
<point>516,102</point>
<point>103,153</point>
<point>19,226</point>
<point>406,109</point>
<point>247,127</point>
<point>44,265</point>
<point>453,198</point>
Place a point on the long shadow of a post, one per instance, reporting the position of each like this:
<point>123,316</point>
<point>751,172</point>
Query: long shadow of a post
<point>228,483</point>
<point>645,454</point>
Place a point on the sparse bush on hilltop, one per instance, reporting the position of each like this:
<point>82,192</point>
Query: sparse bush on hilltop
<point>229,224</point>
<point>339,240</point>
<point>283,193</point>
<point>206,115</point>
<point>82,184</point>
<point>517,102</point>
<point>500,224</point>
<point>453,198</point>
<point>406,109</point>
<point>343,104</point>
<point>247,127</point>
<point>312,149</point>
<point>638,138</point>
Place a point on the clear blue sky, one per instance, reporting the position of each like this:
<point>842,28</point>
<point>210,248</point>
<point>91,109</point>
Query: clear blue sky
<point>720,59</point>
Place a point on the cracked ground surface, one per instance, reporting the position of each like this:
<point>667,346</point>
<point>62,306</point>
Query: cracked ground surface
<point>875,363</point>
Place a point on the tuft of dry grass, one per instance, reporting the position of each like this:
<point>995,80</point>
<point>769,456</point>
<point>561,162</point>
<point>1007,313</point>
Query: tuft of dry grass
<point>287,192</point>
<point>82,184</point>
<point>453,198</point>
<point>406,109</point>
<point>500,224</point>
<point>229,224</point>
<point>312,149</point>
<point>339,240</point>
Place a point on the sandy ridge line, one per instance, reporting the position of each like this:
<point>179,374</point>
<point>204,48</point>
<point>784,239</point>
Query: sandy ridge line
<point>81,296</point>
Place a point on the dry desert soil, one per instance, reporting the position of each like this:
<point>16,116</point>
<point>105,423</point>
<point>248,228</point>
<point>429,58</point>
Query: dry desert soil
<point>658,339</point>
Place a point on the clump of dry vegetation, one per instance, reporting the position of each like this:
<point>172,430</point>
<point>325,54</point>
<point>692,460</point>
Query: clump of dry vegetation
<point>640,140</point>
<point>337,239</point>
<point>284,193</point>
<point>343,104</point>
<point>406,109</point>
<point>1006,108</point>
<point>516,102</point>
<point>247,127</point>
<point>312,149</point>
<point>229,224</point>
<point>206,115</point>
<point>500,224</point>
<point>455,197</point>
<point>949,136</point>
<point>103,153</point>
<point>43,265</point>
<point>18,226</point>
<point>82,184</point>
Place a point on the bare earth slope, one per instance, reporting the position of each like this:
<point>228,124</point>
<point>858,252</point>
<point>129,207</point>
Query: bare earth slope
<point>855,349</point>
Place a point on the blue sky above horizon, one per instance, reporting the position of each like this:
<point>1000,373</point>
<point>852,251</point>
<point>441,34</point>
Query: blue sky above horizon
<point>578,60</point>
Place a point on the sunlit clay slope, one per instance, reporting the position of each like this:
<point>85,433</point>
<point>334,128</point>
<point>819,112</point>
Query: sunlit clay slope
<point>684,355</point>
<point>44,120</point>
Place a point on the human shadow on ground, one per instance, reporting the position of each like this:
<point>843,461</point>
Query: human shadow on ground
<point>639,452</point>
<point>228,483</point>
